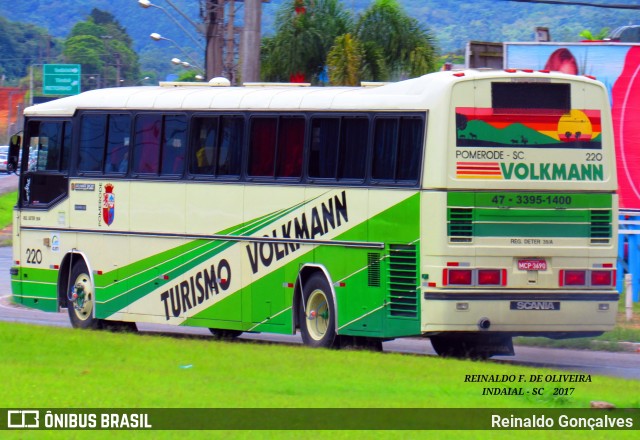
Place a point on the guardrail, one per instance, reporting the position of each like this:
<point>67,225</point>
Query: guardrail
<point>629,251</point>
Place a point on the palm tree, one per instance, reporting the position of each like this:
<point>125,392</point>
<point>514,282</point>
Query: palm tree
<point>408,49</point>
<point>344,61</point>
<point>304,35</point>
<point>588,35</point>
<point>386,43</point>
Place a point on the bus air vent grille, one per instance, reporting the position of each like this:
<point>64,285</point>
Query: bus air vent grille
<point>600,225</point>
<point>403,281</point>
<point>373,262</point>
<point>460,224</point>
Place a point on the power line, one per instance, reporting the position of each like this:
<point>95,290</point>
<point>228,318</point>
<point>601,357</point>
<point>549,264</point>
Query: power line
<point>571,3</point>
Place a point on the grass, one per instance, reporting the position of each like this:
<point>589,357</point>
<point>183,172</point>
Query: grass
<point>62,368</point>
<point>148,371</point>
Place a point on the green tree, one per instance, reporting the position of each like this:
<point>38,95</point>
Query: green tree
<point>103,48</point>
<point>388,43</point>
<point>588,35</point>
<point>344,61</point>
<point>22,45</point>
<point>305,32</point>
<point>407,48</point>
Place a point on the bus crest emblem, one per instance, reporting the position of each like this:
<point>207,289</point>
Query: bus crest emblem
<point>108,204</point>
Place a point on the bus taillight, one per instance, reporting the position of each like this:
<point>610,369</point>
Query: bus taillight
<point>596,278</point>
<point>602,277</point>
<point>474,277</point>
<point>573,278</point>
<point>459,277</point>
<point>492,277</point>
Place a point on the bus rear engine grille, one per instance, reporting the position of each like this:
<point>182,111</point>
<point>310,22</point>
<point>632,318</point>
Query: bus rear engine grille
<point>460,225</point>
<point>600,230</point>
<point>403,281</point>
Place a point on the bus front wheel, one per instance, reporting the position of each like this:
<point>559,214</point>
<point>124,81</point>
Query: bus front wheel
<point>317,313</point>
<point>81,298</point>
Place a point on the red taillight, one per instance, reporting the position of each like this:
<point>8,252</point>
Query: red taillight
<point>489,277</point>
<point>595,278</point>
<point>601,278</point>
<point>460,277</point>
<point>573,277</point>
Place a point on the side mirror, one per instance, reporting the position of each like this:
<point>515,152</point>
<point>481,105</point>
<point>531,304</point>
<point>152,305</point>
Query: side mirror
<point>14,153</point>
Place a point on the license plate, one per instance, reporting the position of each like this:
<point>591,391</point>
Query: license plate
<point>532,264</point>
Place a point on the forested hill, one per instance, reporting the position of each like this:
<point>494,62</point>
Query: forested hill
<point>453,22</point>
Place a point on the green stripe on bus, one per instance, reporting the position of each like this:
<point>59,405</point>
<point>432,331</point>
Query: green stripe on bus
<point>147,275</point>
<point>533,200</point>
<point>531,230</point>
<point>529,214</point>
<point>363,309</point>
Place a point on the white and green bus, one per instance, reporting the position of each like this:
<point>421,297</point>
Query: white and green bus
<point>465,206</point>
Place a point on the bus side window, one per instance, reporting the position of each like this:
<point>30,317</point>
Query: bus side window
<point>174,142</point>
<point>409,155</point>
<point>324,147</point>
<point>205,133</point>
<point>290,145</point>
<point>117,157</point>
<point>146,150</point>
<point>230,146</point>
<point>262,146</point>
<point>384,148</point>
<point>93,131</point>
<point>354,137</point>
<point>397,148</point>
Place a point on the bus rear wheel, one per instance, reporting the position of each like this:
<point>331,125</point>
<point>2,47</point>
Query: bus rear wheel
<point>81,298</point>
<point>317,314</point>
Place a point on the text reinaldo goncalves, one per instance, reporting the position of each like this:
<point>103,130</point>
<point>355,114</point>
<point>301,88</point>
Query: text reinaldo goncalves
<point>543,421</point>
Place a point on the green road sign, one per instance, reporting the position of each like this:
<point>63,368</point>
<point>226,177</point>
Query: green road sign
<point>61,79</point>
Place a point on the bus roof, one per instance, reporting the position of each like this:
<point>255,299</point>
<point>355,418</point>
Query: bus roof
<point>413,94</point>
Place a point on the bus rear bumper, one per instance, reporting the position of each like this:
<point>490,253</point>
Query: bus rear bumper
<point>519,312</point>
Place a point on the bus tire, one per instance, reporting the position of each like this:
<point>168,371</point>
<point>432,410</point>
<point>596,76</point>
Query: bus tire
<point>317,313</point>
<point>224,335</point>
<point>81,310</point>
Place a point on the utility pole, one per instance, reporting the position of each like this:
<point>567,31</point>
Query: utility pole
<point>251,40</point>
<point>231,15</point>
<point>213,20</point>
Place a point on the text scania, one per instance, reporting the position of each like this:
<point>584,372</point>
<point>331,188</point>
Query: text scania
<point>552,171</point>
<point>324,218</point>
<point>204,284</point>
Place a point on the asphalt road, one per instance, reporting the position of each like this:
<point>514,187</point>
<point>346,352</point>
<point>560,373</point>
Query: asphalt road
<point>8,183</point>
